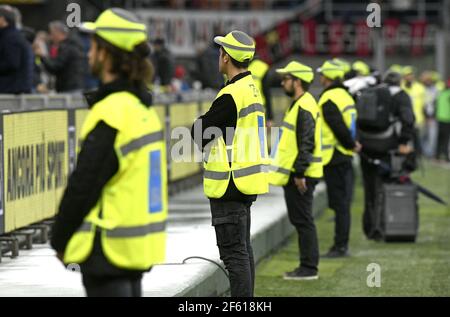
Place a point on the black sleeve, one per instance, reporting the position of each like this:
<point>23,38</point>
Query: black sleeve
<point>97,164</point>
<point>166,69</point>
<point>335,121</point>
<point>267,95</point>
<point>222,114</point>
<point>11,56</point>
<point>55,65</point>
<point>305,142</point>
<point>405,113</point>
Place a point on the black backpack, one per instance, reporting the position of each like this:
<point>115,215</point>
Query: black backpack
<point>373,106</point>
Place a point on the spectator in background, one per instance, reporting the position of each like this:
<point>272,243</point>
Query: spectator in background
<point>30,35</point>
<point>164,65</point>
<point>429,138</point>
<point>46,79</point>
<point>16,56</point>
<point>207,57</point>
<point>416,92</point>
<point>69,63</point>
<point>260,72</point>
<point>179,83</point>
<point>90,82</point>
<point>443,118</point>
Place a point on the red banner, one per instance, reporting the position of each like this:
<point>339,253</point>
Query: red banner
<point>262,49</point>
<point>362,39</point>
<point>390,28</point>
<point>309,36</point>
<point>284,38</point>
<point>418,29</point>
<point>335,38</point>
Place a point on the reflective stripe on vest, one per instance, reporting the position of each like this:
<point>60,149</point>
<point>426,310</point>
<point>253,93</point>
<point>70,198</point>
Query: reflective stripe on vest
<point>141,142</point>
<point>128,232</point>
<point>237,173</point>
<point>251,109</point>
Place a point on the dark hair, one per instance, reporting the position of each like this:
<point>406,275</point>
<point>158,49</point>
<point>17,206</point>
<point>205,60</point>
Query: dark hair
<point>305,85</point>
<point>392,78</point>
<point>159,41</point>
<point>59,26</point>
<point>336,81</point>
<point>237,64</point>
<point>134,66</point>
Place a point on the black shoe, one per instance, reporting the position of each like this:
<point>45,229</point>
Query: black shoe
<point>376,236</point>
<point>301,274</point>
<point>336,252</point>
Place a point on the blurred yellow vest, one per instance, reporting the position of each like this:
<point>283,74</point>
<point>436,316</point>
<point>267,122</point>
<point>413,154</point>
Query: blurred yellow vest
<point>131,213</point>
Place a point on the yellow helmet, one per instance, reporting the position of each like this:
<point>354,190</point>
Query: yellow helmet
<point>331,70</point>
<point>407,70</point>
<point>298,70</point>
<point>344,64</point>
<point>396,68</point>
<point>435,76</point>
<point>361,68</point>
<point>119,27</point>
<point>238,45</point>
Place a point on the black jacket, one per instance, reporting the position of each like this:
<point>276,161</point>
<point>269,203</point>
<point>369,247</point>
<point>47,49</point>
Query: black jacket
<point>333,117</point>
<point>266,91</point>
<point>97,164</point>
<point>208,78</point>
<point>164,66</point>
<point>222,114</point>
<point>402,110</point>
<point>16,62</point>
<point>305,130</point>
<point>69,66</point>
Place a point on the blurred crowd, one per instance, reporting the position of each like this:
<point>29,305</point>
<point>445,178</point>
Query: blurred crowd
<point>55,60</point>
<point>213,4</point>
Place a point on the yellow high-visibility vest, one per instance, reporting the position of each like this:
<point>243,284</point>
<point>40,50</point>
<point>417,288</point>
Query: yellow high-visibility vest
<point>259,69</point>
<point>246,159</point>
<point>132,210</point>
<point>417,94</point>
<point>286,150</point>
<point>346,105</point>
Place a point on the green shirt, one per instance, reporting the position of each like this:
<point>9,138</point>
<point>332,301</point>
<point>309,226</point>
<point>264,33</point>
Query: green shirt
<point>443,106</point>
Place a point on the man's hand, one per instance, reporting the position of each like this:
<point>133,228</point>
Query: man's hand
<point>269,123</point>
<point>37,49</point>
<point>404,149</point>
<point>357,147</point>
<point>301,185</point>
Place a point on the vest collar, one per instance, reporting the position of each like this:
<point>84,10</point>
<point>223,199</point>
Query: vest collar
<point>334,85</point>
<point>237,77</point>
<point>296,100</point>
<point>118,85</point>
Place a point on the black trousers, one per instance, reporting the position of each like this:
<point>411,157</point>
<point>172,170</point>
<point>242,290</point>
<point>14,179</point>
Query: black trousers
<point>372,181</point>
<point>443,141</point>
<point>339,180</point>
<point>112,286</point>
<point>231,220</point>
<point>300,212</point>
